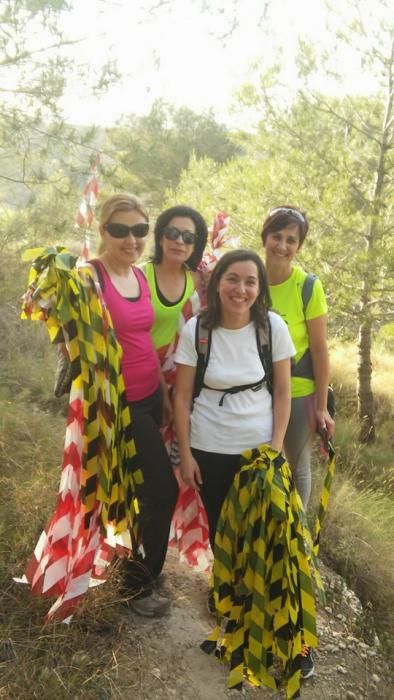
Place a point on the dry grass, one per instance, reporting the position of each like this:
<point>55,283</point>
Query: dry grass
<point>94,658</point>
<point>358,532</point>
<point>358,542</point>
<point>344,372</point>
<point>368,466</point>
<point>90,659</point>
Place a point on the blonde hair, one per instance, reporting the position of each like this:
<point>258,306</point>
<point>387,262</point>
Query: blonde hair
<point>119,202</point>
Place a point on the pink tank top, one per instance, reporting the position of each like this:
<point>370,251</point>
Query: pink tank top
<point>132,320</point>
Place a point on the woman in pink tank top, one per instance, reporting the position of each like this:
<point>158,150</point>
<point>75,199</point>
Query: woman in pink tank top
<point>123,230</point>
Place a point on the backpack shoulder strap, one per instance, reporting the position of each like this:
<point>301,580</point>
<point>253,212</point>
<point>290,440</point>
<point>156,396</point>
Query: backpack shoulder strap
<point>203,337</point>
<point>264,346</point>
<point>307,289</point>
<point>304,368</point>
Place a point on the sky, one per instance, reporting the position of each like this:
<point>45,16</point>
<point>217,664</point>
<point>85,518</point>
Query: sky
<point>188,56</point>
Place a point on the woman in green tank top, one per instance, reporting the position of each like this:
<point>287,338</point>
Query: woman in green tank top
<point>176,295</point>
<point>283,234</point>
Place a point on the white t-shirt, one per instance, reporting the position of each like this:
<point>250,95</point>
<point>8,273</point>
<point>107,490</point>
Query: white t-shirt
<point>245,419</point>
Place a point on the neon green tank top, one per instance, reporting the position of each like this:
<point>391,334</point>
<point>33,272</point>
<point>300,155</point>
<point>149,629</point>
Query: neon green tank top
<point>166,324</point>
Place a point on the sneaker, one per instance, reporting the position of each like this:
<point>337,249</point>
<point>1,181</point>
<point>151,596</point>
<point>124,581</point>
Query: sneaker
<point>153,605</point>
<point>211,603</point>
<point>307,665</point>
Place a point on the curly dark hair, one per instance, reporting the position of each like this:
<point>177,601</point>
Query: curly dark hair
<point>211,315</point>
<point>282,217</point>
<point>163,221</point>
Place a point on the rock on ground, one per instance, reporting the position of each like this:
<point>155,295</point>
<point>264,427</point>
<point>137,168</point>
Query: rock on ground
<point>171,665</point>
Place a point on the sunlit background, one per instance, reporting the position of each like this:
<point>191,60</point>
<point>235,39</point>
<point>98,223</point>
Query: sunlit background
<point>188,55</point>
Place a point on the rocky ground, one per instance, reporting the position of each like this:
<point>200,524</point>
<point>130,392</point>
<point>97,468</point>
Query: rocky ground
<point>171,665</point>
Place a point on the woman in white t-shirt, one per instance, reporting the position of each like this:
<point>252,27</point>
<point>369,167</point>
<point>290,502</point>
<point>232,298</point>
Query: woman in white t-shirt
<point>215,429</point>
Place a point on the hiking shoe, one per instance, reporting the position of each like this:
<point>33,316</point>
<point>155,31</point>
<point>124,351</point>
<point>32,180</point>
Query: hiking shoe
<point>307,665</point>
<point>159,581</point>
<point>153,605</point>
<point>211,603</point>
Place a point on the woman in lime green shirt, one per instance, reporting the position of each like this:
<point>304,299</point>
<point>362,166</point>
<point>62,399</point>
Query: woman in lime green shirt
<point>176,295</point>
<point>283,234</point>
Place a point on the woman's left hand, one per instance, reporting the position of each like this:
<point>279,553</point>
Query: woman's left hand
<point>276,445</point>
<point>325,422</point>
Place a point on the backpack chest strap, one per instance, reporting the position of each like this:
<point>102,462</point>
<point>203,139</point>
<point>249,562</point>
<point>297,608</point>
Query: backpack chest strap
<point>254,386</point>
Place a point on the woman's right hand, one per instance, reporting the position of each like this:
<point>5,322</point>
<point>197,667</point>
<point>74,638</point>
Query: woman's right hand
<point>325,423</point>
<point>190,472</point>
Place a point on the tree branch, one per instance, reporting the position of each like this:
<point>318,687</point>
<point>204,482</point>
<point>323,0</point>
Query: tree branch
<point>14,60</point>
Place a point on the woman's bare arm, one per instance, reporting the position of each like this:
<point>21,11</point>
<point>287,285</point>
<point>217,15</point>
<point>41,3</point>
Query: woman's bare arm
<point>184,385</point>
<point>317,330</point>
<point>281,402</point>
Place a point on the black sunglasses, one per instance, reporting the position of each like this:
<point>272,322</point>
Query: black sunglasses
<point>172,234</point>
<point>122,231</point>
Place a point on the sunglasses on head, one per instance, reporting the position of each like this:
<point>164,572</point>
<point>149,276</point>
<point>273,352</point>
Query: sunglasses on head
<point>172,234</point>
<point>122,231</point>
<point>292,212</point>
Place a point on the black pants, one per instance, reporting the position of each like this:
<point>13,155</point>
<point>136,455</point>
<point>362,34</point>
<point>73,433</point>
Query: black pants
<point>217,472</point>
<point>157,495</point>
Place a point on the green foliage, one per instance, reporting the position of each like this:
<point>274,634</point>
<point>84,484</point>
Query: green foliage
<point>331,181</point>
<point>47,218</point>
<point>385,337</point>
<point>35,66</point>
<point>27,360</point>
<point>40,179</point>
<point>32,78</point>
<point>334,158</point>
<point>151,151</point>
<point>237,187</point>
<point>324,154</point>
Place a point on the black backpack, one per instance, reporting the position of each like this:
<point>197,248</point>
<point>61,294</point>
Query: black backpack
<point>203,339</point>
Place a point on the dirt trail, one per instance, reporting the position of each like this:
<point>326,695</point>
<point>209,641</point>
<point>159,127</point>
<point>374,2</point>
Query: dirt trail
<point>171,664</point>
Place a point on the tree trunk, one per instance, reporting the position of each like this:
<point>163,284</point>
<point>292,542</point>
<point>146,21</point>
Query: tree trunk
<point>365,401</point>
<point>364,373</point>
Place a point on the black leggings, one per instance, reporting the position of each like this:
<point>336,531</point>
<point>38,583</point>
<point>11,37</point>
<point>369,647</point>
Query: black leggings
<point>217,472</point>
<point>157,495</point>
